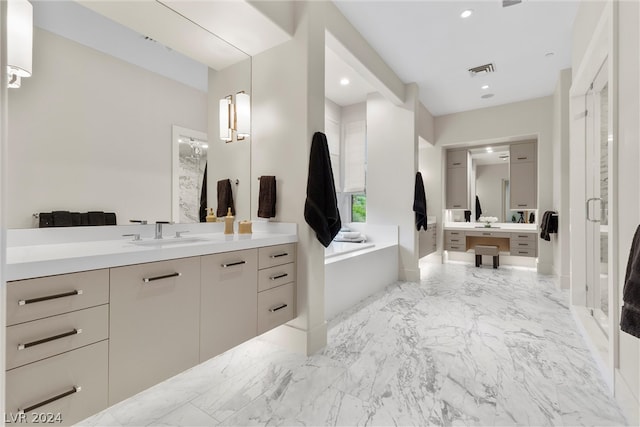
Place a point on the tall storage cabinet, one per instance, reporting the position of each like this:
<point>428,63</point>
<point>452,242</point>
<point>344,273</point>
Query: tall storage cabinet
<point>229,301</point>
<point>522,176</point>
<point>457,180</point>
<point>154,329</point>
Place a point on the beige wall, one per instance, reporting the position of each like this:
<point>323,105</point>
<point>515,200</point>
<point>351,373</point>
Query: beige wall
<point>560,241</point>
<point>533,118</point>
<point>91,132</point>
<point>288,107</point>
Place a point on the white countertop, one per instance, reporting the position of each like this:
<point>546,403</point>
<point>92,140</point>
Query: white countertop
<point>37,260</point>
<point>506,227</point>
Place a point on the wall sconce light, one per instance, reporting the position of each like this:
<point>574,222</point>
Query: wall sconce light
<point>19,41</point>
<point>235,117</point>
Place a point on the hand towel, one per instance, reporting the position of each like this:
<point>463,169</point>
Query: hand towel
<point>96,218</point>
<point>548,225</point>
<point>321,206</point>
<point>267,197</point>
<point>225,198</point>
<point>203,197</point>
<point>110,218</point>
<point>478,209</point>
<point>420,203</point>
<point>62,219</point>
<point>45,220</point>
<point>630,316</point>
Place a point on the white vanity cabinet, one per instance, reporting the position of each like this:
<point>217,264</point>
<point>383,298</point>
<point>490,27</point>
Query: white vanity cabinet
<point>56,347</point>
<point>457,185</point>
<point>154,324</point>
<point>229,301</point>
<point>522,176</point>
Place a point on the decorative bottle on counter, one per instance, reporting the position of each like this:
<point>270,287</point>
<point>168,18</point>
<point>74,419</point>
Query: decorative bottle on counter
<point>212,216</point>
<point>228,222</point>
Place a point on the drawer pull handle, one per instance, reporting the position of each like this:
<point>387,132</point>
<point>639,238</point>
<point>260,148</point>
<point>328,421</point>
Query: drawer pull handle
<point>522,158</point>
<point>48,339</point>
<point>456,206</point>
<point>523,252</point>
<point>455,240</point>
<point>166,276</point>
<point>49,297</point>
<point>523,244</point>
<point>522,237</point>
<point>279,276</point>
<point>231,264</point>
<point>280,307</point>
<point>75,389</point>
<point>522,204</point>
<point>456,164</point>
<point>279,255</point>
<point>486,234</point>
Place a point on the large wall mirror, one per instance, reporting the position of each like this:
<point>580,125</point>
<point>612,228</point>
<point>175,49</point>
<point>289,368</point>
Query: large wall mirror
<point>92,129</point>
<point>490,167</point>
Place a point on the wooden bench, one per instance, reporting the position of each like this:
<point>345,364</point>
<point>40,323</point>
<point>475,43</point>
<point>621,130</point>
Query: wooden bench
<point>487,250</point>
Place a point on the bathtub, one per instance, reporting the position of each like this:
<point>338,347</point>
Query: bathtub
<point>354,271</point>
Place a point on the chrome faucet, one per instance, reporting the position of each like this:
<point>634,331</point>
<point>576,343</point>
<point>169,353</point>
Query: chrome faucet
<point>159,228</point>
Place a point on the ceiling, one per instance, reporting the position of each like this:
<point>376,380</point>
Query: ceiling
<point>490,155</point>
<point>337,69</point>
<point>427,42</point>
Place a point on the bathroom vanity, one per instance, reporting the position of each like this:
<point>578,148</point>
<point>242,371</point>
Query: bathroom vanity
<point>90,323</point>
<point>511,239</point>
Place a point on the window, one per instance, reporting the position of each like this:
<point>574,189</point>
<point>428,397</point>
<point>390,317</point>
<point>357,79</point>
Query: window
<point>358,208</point>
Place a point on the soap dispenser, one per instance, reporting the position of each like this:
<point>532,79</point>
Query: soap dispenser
<point>212,216</point>
<point>228,222</point>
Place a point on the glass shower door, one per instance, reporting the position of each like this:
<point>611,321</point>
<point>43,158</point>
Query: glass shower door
<point>597,204</point>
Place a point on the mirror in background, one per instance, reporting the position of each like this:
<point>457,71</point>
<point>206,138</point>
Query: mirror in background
<point>190,154</point>
<point>490,168</point>
<point>91,130</point>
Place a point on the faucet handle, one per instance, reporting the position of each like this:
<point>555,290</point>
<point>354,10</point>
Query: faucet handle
<point>139,221</point>
<point>179,233</point>
<point>136,236</point>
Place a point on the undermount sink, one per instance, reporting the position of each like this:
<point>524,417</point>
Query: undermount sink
<point>167,241</point>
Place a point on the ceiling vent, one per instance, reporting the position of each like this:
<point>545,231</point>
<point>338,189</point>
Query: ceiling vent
<point>507,3</point>
<point>482,69</point>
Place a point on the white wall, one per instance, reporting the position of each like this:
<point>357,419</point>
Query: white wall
<point>489,188</point>
<point>392,163</point>
<point>561,161</point>
<point>425,124</point>
<point>520,120</point>
<point>91,132</point>
<point>586,20</point>
<point>230,160</point>
<point>288,107</point>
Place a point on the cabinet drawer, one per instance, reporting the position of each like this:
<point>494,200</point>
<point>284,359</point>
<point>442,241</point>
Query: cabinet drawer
<point>456,240</point>
<point>522,244</point>
<point>228,301</point>
<point>455,247</point>
<point>488,234</point>
<point>276,276</point>
<point>530,252</point>
<point>457,159</point>
<point>33,299</point>
<point>154,324</point>
<point>453,233</point>
<point>32,341</point>
<point>527,237</point>
<point>275,307</point>
<point>522,152</point>
<point>276,255</point>
<point>84,370</point>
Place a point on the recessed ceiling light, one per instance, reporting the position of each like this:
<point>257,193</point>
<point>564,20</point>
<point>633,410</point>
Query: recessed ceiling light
<point>485,87</point>
<point>487,96</point>
<point>344,81</point>
<point>467,13</point>
<point>549,54</point>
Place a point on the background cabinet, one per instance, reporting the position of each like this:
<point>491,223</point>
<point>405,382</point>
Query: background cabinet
<point>154,324</point>
<point>457,180</point>
<point>522,176</point>
<point>229,301</point>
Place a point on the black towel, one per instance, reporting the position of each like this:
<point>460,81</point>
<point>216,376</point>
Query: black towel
<point>45,219</point>
<point>267,197</point>
<point>110,218</point>
<point>549,224</point>
<point>225,198</point>
<point>321,206</point>
<point>96,218</point>
<point>75,219</point>
<point>630,316</point>
<point>62,219</point>
<point>203,196</point>
<point>478,209</point>
<point>420,203</point>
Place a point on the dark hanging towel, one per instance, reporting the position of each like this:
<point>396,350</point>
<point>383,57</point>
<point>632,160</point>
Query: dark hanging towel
<point>96,218</point>
<point>420,203</point>
<point>478,209</point>
<point>45,219</point>
<point>203,197</point>
<point>630,316</point>
<point>267,197</point>
<point>321,206</point>
<point>225,198</point>
<point>62,219</point>
<point>549,224</point>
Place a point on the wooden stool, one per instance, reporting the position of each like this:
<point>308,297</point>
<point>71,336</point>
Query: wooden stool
<point>487,250</point>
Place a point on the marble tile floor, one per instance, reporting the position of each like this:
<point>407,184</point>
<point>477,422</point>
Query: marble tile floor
<point>465,346</point>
